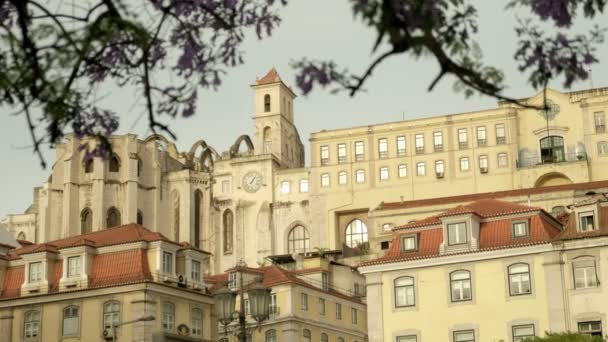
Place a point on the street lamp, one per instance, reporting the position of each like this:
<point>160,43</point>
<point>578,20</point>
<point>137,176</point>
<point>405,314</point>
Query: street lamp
<point>259,304</point>
<point>141,319</point>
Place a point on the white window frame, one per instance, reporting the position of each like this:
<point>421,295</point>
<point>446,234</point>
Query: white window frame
<point>35,272</point>
<point>463,138</point>
<point>195,270</point>
<point>438,141</point>
<point>404,292</point>
<point>584,273</point>
<point>461,231</point>
<point>324,153</point>
<point>402,170</point>
<point>359,150</point>
<point>383,173</point>
<point>168,316</point>
<point>460,286</point>
<point>342,178</point>
<point>382,148</point>
<point>74,266</point>
<point>520,279</point>
<point>502,159</point>
<point>325,181</point>
<point>482,136</point>
<point>420,169</point>
<point>285,187</point>
<point>342,158</point>
<point>303,185</point>
<point>419,142</point>
<point>401,146</point>
<point>360,176</point>
<point>167,262</point>
<point>465,164</point>
<point>501,134</point>
<point>72,322</point>
<point>439,167</point>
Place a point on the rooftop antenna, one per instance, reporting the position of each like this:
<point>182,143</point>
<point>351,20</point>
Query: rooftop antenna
<point>591,77</point>
<point>403,115</point>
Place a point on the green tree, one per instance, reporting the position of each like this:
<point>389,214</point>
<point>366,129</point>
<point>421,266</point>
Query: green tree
<point>565,337</point>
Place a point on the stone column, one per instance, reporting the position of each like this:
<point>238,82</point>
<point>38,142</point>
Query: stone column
<point>375,321</point>
<point>143,304</point>
<point>6,325</point>
<point>557,296</point>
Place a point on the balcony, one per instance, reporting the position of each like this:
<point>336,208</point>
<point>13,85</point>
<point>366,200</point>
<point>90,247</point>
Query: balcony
<point>383,154</point>
<point>463,145</point>
<point>324,161</point>
<point>419,149</point>
<point>482,142</point>
<point>438,147</point>
<point>600,128</point>
<point>501,140</point>
<point>534,161</point>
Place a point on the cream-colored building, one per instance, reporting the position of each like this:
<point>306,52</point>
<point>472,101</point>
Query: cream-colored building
<point>258,199</point>
<point>124,284</point>
<point>313,298</point>
<point>492,270</point>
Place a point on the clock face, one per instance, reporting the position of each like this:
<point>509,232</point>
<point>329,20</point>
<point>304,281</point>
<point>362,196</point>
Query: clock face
<point>252,181</point>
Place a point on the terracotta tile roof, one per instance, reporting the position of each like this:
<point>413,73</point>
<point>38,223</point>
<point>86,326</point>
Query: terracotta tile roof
<point>271,77</point>
<point>13,279</point>
<point>571,231</point>
<point>120,268</point>
<point>497,194</point>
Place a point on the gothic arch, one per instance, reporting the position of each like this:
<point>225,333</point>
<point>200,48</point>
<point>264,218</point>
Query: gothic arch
<point>297,238</point>
<point>198,217</point>
<point>234,149</point>
<point>21,236</point>
<point>228,231</point>
<point>552,178</point>
<point>113,218</point>
<point>168,146</point>
<point>207,160</point>
<point>86,221</point>
<point>201,143</point>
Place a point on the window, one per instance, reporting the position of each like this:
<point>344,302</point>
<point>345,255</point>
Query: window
<point>228,229</point>
<point>303,185</point>
<point>298,240</point>
<point>89,164</point>
<point>195,273</point>
<point>111,314</point>
<point>342,178</point>
<point>340,339</point>
<point>140,167</point>
<point>113,218</point>
<point>602,148</point>
<point>593,328</point>
<point>266,103</point>
<point>438,141</point>
<point>271,336</point>
<point>500,134</point>
<point>481,136</point>
<point>409,338</point>
<point>341,153</point>
<point>321,306</point>
<point>419,140</point>
<point>384,173</point>
<point>400,146</point>
<point>600,122</point>
<point>384,245</point>
<point>404,292</point>
<point>167,262</point>
<point>519,279</point>
<point>521,332</point>
<point>519,229</point>
<point>421,169</point>
<point>273,304</point>
<point>232,280</point>
<point>439,168</point>
<point>285,187</point>
<point>140,218</point>
<point>585,275</point>
<point>71,320</point>
<point>338,311</point>
<point>359,151</point>
<point>325,180</point>
<point>307,336</point>
<point>324,337</point>
<point>168,316</point>
<point>324,155</point>
<point>31,324</point>
<point>35,272</point>
<point>360,176</point>
<point>356,233</point>
<point>483,164</point>
<point>587,221</point>
<point>382,148</point>
<point>197,322</point>
<point>357,290</point>
<point>552,149</point>
<point>464,336</point>
<point>402,168</point>
<point>73,266</point>
<point>503,160</point>
<point>114,164</point>
<point>460,286</point>
<point>457,233</point>
<point>463,139</point>
<point>304,301</point>
<point>325,281</point>
<point>353,315</point>
<point>247,307</point>
<point>408,243</point>
<point>464,164</point>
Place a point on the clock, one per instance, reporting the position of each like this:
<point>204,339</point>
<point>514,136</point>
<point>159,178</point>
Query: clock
<point>252,181</point>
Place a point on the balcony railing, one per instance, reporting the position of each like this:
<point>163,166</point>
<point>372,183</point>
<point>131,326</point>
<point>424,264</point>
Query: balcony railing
<point>482,142</point>
<point>438,147</point>
<point>600,128</point>
<point>501,140</point>
<point>539,160</point>
<point>463,145</point>
<point>383,154</point>
<point>419,149</point>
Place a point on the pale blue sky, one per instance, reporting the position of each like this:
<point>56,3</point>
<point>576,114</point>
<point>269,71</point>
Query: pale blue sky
<point>314,28</point>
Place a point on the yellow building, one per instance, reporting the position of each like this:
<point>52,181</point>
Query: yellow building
<point>122,284</point>
<point>492,270</point>
<point>313,299</point>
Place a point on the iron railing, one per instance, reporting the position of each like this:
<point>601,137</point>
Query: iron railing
<point>539,160</point>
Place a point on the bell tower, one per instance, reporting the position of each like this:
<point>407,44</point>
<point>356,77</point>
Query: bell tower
<point>275,130</point>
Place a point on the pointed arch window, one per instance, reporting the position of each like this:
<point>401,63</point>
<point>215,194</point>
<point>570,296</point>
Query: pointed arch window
<point>114,164</point>
<point>86,221</point>
<point>267,136</point>
<point>88,164</point>
<point>267,103</point>
<point>356,233</point>
<point>113,218</point>
<point>140,217</point>
<point>298,240</point>
<point>228,228</point>
<point>198,217</point>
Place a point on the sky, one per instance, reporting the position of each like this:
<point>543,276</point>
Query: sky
<point>318,29</point>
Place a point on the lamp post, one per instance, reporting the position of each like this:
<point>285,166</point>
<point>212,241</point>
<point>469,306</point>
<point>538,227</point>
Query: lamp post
<point>141,319</point>
<point>259,304</point>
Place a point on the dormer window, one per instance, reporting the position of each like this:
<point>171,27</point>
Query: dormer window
<point>196,271</point>
<point>232,280</point>
<point>457,233</point>
<point>586,221</point>
<point>408,244</point>
<point>167,262</point>
<point>74,266</point>
<point>519,229</point>
<point>35,272</point>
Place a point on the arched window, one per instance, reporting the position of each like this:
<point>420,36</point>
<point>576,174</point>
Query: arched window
<point>113,218</point>
<point>168,316</point>
<point>21,236</point>
<point>460,286</point>
<point>71,320</point>
<point>176,213</point>
<point>324,337</point>
<point>271,335</point>
<point>31,324</point>
<point>228,227</point>
<point>140,167</point>
<point>298,240</point>
<point>111,314</point>
<point>86,221</point>
<point>306,334</point>
<point>197,322</point>
<point>140,217</point>
<point>267,136</point>
<point>519,279</point>
<point>114,164</point>
<point>404,292</point>
<point>552,149</point>
<point>267,103</point>
<point>585,272</point>
<point>340,339</point>
<point>356,233</point>
<point>198,217</point>
<point>88,164</point>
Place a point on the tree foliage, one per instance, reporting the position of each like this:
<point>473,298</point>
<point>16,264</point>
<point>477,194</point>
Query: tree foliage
<point>564,337</point>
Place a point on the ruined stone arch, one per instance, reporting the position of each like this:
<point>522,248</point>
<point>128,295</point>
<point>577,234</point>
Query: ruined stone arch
<point>207,160</point>
<point>21,236</point>
<point>234,149</point>
<point>168,146</point>
<point>86,221</point>
<point>552,178</point>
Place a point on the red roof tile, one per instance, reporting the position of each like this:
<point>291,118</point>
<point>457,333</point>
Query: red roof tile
<point>13,279</point>
<point>120,268</point>
<point>271,77</point>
